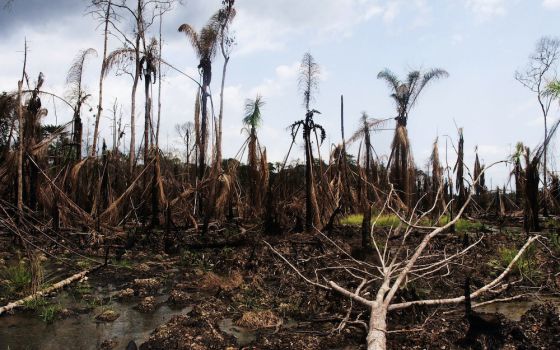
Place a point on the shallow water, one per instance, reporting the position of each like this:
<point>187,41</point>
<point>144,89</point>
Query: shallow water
<point>243,336</point>
<point>28,331</point>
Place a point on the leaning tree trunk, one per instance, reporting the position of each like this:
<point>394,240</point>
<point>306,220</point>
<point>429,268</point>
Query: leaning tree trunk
<point>377,332</point>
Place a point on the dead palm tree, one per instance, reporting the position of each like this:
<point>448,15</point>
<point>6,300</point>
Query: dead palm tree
<point>405,94</point>
<point>368,180</point>
<point>436,190</point>
<point>205,44</point>
<point>252,120</point>
<point>480,186</point>
<point>76,94</point>
<point>308,84</point>
<point>517,172</point>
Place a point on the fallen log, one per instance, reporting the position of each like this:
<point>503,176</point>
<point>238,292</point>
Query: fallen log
<point>48,290</point>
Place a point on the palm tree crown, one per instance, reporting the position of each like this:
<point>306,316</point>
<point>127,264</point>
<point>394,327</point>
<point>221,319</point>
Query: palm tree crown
<point>253,116</point>
<point>405,93</point>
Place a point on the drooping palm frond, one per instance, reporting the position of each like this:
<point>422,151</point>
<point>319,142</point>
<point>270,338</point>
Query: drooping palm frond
<point>75,74</point>
<point>223,18</point>
<point>192,35</point>
<point>294,127</point>
<point>322,130</point>
<point>205,43</point>
<point>391,79</point>
<point>117,58</point>
<point>366,124</point>
<point>253,116</point>
<point>432,74</point>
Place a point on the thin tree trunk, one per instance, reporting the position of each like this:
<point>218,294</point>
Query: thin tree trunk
<point>21,137</point>
<point>132,155</point>
<point>137,72</point>
<point>545,184</point>
<point>159,84</point>
<point>100,102</point>
<point>220,117</point>
<point>203,132</point>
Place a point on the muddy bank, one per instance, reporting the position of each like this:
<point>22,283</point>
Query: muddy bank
<point>213,296</point>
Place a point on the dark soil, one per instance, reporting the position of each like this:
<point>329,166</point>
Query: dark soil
<point>227,282</point>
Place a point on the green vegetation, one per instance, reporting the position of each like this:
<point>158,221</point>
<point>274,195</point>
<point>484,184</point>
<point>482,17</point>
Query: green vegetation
<point>48,313</point>
<point>194,259</point>
<point>35,304</point>
<point>17,276</point>
<point>391,220</point>
<point>525,265</point>
<point>45,310</point>
<point>123,263</point>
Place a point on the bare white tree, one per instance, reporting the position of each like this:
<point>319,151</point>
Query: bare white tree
<point>377,284</point>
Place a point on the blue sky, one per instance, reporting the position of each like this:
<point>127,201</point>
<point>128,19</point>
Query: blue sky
<point>480,43</point>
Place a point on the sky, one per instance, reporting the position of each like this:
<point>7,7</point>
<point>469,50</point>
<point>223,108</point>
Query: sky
<point>481,43</point>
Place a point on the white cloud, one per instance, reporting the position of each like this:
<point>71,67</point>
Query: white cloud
<point>486,9</point>
<point>268,25</point>
<point>551,4</point>
<point>456,39</point>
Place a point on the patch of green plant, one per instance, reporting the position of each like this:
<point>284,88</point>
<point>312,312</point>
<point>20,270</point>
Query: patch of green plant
<point>93,301</point>
<point>463,225</point>
<point>352,220</point>
<point>35,304</point>
<point>552,223</point>
<point>84,264</point>
<point>49,312</point>
<point>250,298</point>
<point>555,242</point>
<point>18,277</point>
<point>82,289</point>
<point>392,220</point>
<point>194,259</point>
<point>228,253</point>
<point>123,263</point>
<point>525,265</point>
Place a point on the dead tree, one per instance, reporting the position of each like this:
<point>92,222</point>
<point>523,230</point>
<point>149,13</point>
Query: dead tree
<point>103,12</point>
<point>377,284</point>
<point>540,71</point>
<point>308,84</point>
<point>77,95</point>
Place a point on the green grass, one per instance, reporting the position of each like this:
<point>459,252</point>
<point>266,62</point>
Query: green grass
<point>45,310</point>
<point>524,266</point>
<point>123,263</point>
<point>48,313</point>
<point>18,277</point>
<point>35,304</point>
<point>391,220</point>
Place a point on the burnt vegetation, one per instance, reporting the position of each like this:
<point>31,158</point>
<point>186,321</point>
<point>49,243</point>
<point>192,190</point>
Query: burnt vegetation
<point>358,250</point>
